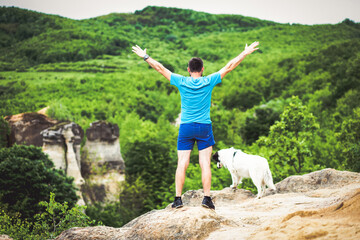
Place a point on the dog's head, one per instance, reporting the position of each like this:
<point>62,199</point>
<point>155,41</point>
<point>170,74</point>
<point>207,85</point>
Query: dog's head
<point>223,156</point>
<point>215,157</point>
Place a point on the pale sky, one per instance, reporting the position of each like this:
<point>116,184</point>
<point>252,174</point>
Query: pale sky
<point>283,11</point>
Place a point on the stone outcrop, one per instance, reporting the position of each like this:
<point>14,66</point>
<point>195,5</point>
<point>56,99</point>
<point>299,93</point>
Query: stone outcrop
<point>327,178</point>
<point>322,205</point>
<point>102,163</point>
<point>101,159</point>
<point>5,237</point>
<point>227,195</point>
<point>339,221</point>
<point>184,223</point>
<point>92,233</point>
<point>62,143</point>
<point>26,127</point>
<point>102,145</point>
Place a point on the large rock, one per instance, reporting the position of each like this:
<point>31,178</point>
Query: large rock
<point>5,237</point>
<point>194,197</point>
<point>92,233</point>
<point>102,145</point>
<point>62,143</point>
<point>326,178</point>
<point>183,223</point>
<point>339,221</point>
<point>102,163</point>
<point>26,128</point>
<point>56,140</point>
<point>329,209</point>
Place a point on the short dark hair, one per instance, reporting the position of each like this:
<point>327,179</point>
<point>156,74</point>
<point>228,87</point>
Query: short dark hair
<point>196,64</point>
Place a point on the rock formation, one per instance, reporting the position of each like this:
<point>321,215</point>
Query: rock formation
<point>102,145</point>
<point>339,221</point>
<point>184,223</point>
<point>103,165</point>
<point>322,205</point>
<point>328,178</point>
<point>26,128</point>
<point>5,237</point>
<point>102,161</point>
<point>62,143</point>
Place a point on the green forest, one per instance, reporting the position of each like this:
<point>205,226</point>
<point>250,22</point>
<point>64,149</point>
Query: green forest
<point>295,101</point>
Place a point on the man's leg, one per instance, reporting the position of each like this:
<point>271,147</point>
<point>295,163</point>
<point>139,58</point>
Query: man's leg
<point>204,161</point>
<point>183,163</point>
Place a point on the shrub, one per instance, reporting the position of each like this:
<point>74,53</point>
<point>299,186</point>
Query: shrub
<point>59,111</point>
<point>27,176</point>
<point>4,132</point>
<point>288,140</point>
<point>55,219</point>
<point>259,124</point>
<point>349,138</point>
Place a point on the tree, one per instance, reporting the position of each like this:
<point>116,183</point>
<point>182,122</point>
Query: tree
<point>149,153</point>
<point>27,176</point>
<point>259,124</point>
<point>288,139</point>
<point>4,132</point>
<point>349,138</point>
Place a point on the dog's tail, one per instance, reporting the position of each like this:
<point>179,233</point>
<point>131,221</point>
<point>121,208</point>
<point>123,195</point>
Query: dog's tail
<point>269,180</point>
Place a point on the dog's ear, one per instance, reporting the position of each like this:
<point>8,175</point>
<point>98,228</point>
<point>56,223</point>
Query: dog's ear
<point>216,157</point>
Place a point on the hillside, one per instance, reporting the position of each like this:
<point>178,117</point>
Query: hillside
<point>295,101</point>
<point>28,38</point>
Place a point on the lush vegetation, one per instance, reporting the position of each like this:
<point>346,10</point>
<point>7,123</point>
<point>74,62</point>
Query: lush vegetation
<point>27,179</point>
<point>27,176</point>
<point>295,101</point>
<point>55,218</point>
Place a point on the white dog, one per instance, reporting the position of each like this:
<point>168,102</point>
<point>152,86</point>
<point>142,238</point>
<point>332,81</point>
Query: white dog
<point>242,165</point>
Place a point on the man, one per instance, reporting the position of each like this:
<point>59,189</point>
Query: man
<point>195,92</point>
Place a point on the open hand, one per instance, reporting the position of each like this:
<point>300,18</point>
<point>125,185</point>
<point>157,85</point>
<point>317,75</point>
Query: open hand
<point>141,53</point>
<point>252,48</point>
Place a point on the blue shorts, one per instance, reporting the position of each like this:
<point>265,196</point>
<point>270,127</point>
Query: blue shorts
<point>191,132</point>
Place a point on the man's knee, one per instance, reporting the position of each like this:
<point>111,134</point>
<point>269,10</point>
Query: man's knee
<point>205,166</point>
<point>182,166</point>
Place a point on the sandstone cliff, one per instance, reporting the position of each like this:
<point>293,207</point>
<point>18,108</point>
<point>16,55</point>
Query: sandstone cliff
<point>102,145</point>
<point>320,205</point>
<point>102,162</point>
<point>62,143</point>
<point>26,127</point>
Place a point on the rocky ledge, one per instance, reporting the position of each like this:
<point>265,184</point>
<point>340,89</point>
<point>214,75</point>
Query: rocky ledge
<point>322,205</point>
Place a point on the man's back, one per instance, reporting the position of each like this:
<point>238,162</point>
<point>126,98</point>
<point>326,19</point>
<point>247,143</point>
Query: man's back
<point>195,96</point>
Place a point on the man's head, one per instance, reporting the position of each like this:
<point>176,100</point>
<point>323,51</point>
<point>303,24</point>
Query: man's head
<point>195,65</point>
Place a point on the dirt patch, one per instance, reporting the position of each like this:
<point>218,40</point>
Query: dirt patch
<point>341,221</point>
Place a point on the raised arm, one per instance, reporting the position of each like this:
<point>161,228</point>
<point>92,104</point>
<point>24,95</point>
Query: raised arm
<point>237,60</point>
<point>152,62</point>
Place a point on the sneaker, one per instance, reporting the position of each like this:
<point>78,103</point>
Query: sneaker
<point>177,203</point>
<point>208,203</point>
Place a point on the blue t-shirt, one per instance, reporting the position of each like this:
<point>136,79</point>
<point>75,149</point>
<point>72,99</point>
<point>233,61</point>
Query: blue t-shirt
<point>195,96</point>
